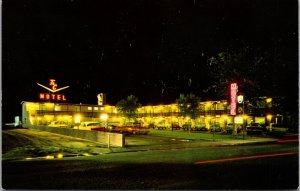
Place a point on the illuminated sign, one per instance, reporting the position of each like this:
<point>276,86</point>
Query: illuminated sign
<point>233,98</point>
<point>240,99</point>
<point>53,97</point>
<point>53,88</point>
<point>101,98</point>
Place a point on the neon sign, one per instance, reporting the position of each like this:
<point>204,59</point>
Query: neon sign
<point>233,97</point>
<point>53,97</point>
<point>53,84</point>
<point>53,88</point>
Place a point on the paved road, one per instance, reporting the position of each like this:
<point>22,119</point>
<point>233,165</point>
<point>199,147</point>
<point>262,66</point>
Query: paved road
<point>264,166</point>
<point>161,169</point>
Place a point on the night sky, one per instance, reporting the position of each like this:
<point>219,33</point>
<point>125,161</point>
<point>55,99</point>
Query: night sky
<point>153,49</point>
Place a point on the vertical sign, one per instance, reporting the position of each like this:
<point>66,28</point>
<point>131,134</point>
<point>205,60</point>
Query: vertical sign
<point>101,98</point>
<point>233,98</point>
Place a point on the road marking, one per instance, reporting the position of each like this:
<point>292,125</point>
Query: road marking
<point>245,158</point>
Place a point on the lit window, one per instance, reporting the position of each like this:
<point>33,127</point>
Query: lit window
<point>89,108</point>
<point>57,108</point>
<point>96,108</point>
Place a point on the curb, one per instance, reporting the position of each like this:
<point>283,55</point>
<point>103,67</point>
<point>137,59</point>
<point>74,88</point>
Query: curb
<point>193,147</point>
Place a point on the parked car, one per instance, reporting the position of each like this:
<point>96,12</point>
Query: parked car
<point>91,125</point>
<point>229,128</point>
<point>200,127</point>
<point>151,126</point>
<point>215,127</point>
<point>175,126</point>
<point>131,128</point>
<point>58,124</point>
<point>278,128</point>
<point>187,126</point>
<point>254,128</point>
<point>111,128</point>
<point>160,127</point>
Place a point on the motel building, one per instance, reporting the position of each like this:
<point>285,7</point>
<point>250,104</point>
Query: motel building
<point>52,109</point>
<point>70,115</point>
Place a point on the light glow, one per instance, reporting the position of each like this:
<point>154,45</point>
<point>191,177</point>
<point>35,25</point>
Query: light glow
<point>208,104</point>
<point>49,157</point>
<point>104,116</point>
<point>238,120</point>
<point>269,100</point>
<point>77,119</point>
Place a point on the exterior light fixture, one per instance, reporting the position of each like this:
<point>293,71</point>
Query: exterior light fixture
<point>269,100</point>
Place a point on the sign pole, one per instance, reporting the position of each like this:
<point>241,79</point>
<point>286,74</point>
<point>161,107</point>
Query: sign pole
<point>233,104</point>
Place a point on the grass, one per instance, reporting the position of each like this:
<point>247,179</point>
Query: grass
<point>196,135</point>
<point>23,143</point>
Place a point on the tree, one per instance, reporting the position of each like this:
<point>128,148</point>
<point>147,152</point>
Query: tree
<point>245,66</point>
<point>188,105</point>
<point>258,73</point>
<point>128,107</point>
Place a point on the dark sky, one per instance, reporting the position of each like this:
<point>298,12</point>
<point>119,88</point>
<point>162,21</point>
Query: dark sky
<point>152,49</point>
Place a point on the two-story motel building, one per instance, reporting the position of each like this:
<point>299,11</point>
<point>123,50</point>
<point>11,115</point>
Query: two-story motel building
<point>43,113</point>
